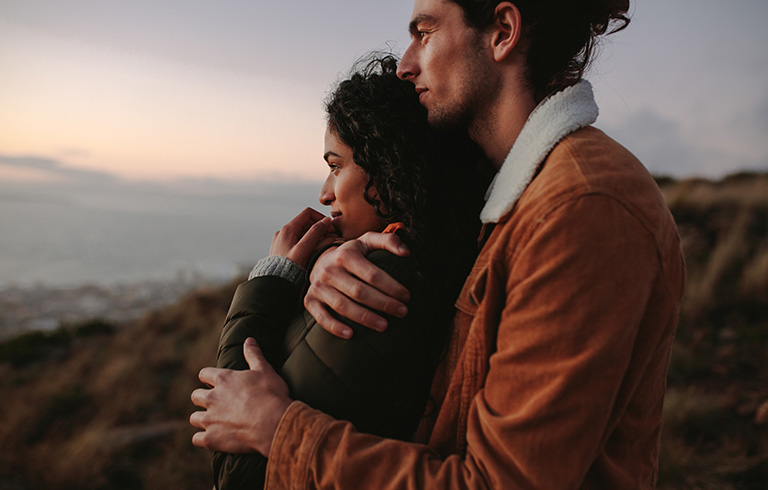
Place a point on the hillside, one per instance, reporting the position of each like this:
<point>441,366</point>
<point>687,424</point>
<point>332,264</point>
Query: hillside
<point>98,406</point>
<point>716,410</point>
<point>104,406</point>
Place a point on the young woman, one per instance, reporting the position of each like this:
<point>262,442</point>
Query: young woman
<point>388,170</point>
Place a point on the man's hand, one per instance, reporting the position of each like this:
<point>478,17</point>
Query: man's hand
<point>304,234</point>
<point>243,408</point>
<point>344,281</point>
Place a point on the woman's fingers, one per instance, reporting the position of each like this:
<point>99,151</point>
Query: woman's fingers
<point>290,235</point>
<point>307,244</point>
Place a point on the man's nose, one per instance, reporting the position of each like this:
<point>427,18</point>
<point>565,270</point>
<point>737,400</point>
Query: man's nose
<point>407,68</point>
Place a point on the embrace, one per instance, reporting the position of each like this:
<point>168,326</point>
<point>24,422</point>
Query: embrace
<point>492,301</point>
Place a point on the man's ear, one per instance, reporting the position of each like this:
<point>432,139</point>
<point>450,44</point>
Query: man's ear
<point>506,29</point>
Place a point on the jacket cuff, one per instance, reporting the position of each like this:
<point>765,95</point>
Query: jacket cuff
<point>296,439</point>
<point>276,265</point>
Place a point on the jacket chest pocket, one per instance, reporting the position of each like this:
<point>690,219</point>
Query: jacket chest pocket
<point>468,306</point>
<point>473,292</point>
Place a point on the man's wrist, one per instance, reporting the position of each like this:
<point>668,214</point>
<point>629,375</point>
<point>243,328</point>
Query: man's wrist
<point>279,421</point>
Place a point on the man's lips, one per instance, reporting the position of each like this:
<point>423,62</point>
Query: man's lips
<point>421,91</point>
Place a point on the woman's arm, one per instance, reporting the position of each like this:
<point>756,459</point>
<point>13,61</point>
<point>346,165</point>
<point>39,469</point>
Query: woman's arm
<point>261,308</point>
<point>377,380</point>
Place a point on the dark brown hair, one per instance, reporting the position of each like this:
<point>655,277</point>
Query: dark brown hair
<point>559,36</point>
<point>430,180</point>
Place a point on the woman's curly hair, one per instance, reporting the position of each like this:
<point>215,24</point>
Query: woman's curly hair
<point>380,118</point>
<point>429,180</point>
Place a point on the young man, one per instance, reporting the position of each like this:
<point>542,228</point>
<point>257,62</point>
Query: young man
<point>555,374</point>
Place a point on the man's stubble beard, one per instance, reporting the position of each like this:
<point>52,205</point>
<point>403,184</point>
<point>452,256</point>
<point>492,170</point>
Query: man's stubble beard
<point>470,111</point>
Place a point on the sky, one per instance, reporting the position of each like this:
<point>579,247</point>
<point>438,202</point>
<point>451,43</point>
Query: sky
<point>232,91</point>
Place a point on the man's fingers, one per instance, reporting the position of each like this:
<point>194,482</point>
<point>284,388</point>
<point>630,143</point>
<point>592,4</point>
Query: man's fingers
<point>253,355</point>
<point>326,320</point>
<point>378,290</point>
<point>197,419</point>
<point>386,241</point>
<point>198,439</point>
<point>200,397</point>
<point>345,307</point>
<point>205,439</point>
<point>210,375</point>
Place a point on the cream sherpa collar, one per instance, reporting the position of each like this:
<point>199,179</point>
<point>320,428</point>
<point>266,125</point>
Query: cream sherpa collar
<point>553,119</point>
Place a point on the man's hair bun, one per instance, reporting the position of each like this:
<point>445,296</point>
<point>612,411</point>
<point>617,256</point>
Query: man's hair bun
<point>609,16</point>
<point>560,36</point>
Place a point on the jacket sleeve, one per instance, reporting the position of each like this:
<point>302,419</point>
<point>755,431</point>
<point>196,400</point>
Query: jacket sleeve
<point>261,308</point>
<point>574,299</point>
<point>377,380</point>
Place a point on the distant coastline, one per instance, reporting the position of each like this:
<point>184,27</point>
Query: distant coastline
<point>48,308</point>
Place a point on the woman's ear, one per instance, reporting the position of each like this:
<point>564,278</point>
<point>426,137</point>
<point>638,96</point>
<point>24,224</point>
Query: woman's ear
<point>505,30</point>
<point>373,193</point>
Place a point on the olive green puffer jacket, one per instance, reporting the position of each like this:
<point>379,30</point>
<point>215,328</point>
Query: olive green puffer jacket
<point>378,381</point>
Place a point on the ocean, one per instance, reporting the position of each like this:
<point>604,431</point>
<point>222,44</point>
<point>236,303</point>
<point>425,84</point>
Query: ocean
<point>61,234</point>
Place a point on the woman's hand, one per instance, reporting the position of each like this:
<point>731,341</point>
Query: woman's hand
<point>304,234</point>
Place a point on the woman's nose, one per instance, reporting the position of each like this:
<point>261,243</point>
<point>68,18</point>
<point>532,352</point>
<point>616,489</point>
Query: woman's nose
<point>326,193</point>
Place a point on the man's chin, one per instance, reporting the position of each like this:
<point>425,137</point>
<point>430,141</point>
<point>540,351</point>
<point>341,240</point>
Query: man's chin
<point>444,120</point>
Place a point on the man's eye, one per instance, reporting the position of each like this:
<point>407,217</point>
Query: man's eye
<point>421,34</point>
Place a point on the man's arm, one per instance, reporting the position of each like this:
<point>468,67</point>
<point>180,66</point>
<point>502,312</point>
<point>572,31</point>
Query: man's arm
<point>344,281</point>
<point>555,386</point>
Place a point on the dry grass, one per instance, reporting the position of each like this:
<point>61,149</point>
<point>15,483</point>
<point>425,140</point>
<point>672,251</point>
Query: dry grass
<point>718,376</point>
<point>110,410</point>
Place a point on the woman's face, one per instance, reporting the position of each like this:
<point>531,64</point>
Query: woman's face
<point>343,191</point>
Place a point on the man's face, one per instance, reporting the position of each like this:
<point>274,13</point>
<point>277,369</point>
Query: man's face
<point>448,64</point>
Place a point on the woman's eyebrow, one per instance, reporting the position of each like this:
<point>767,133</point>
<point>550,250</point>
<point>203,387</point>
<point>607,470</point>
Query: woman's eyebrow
<point>329,154</point>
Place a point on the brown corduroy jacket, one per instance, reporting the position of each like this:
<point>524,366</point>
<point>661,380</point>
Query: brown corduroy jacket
<point>556,371</point>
